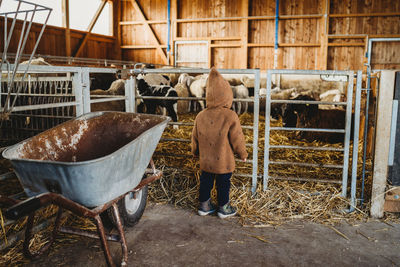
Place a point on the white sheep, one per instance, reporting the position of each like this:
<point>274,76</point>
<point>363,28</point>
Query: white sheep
<point>198,89</point>
<point>182,91</point>
<point>186,79</point>
<point>240,91</point>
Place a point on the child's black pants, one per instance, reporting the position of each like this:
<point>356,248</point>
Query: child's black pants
<point>223,184</point>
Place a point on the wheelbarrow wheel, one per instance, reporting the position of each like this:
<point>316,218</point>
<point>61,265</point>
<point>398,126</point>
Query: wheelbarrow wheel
<point>131,207</point>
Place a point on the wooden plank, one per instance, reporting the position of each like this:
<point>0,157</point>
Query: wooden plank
<point>90,27</point>
<point>346,44</point>
<point>244,33</point>
<point>382,138</point>
<point>383,14</point>
<point>141,22</point>
<point>324,24</point>
<point>148,27</point>
<point>174,28</point>
<point>233,38</point>
<point>65,24</point>
<point>142,46</point>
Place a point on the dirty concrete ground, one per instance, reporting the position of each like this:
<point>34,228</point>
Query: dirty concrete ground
<point>169,236</point>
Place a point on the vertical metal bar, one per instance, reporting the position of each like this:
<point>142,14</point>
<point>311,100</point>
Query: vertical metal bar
<point>129,96</point>
<point>256,111</point>
<point>393,128</point>
<point>134,94</point>
<point>267,131</point>
<point>77,92</point>
<point>353,201</point>
<point>85,90</point>
<point>347,133</point>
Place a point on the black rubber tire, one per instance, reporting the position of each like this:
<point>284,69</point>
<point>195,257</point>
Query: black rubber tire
<point>130,210</point>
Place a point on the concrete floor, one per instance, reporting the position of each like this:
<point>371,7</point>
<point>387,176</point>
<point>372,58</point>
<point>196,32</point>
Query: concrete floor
<point>169,236</point>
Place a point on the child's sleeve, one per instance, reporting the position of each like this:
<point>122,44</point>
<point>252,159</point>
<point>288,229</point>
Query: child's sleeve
<point>236,139</point>
<point>195,142</point>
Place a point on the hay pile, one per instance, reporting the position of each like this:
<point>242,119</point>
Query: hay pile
<point>285,200</point>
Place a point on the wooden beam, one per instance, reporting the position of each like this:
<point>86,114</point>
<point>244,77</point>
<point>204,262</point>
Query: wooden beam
<point>141,22</point>
<point>346,44</point>
<point>147,25</point>
<point>233,38</point>
<point>227,45</point>
<point>382,138</point>
<point>245,33</point>
<point>65,24</point>
<point>116,10</point>
<point>90,27</point>
<point>142,46</point>
<point>324,27</point>
<point>174,34</point>
<point>383,14</point>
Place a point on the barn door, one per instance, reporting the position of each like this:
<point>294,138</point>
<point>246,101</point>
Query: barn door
<point>191,54</point>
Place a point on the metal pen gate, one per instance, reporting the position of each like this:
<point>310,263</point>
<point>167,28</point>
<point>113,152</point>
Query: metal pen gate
<point>346,131</point>
<point>49,96</point>
<point>255,100</point>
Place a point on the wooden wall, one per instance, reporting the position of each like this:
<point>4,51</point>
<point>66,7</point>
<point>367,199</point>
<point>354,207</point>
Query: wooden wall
<point>53,42</point>
<point>313,34</point>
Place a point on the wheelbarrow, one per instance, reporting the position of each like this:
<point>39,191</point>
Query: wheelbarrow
<point>95,163</point>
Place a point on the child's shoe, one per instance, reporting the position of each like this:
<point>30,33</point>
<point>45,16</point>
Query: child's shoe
<point>226,211</point>
<point>206,208</point>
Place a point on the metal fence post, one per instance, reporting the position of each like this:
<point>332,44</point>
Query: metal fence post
<point>355,142</point>
<point>129,95</point>
<point>77,91</point>
<point>256,111</point>
<point>267,131</point>
<point>85,90</point>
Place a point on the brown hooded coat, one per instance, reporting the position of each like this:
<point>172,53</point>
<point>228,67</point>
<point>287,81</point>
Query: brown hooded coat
<point>217,133</point>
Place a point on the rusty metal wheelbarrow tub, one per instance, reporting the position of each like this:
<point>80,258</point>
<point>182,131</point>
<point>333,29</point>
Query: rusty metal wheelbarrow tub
<point>87,165</point>
<point>91,159</point>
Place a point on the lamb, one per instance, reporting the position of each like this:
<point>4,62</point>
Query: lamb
<point>186,79</point>
<point>182,91</point>
<point>116,88</point>
<point>240,91</point>
<point>334,95</point>
<point>198,89</point>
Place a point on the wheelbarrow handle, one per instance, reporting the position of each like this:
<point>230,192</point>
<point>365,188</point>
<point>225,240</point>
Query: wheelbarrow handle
<point>24,208</point>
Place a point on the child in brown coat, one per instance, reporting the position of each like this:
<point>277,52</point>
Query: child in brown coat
<point>216,136</point>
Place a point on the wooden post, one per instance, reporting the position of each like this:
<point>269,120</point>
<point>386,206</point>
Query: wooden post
<point>245,33</point>
<point>174,24</point>
<point>116,32</point>
<point>382,138</point>
<point>323,52</point>
<point>65,24</point>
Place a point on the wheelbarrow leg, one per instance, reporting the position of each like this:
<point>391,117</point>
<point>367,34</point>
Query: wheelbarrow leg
<point>102,234</point>
<point>121,234</point>
<point>28,235</point>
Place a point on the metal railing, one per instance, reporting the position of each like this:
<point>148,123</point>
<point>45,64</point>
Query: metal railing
<point>346,131</point>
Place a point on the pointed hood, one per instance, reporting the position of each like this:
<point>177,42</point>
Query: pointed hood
<point>218,91</point>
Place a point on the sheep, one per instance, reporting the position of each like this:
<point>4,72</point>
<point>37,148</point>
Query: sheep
<point>182,91</point>
<point>334,95</point>
<point>198,89</point>
<point>116,88</point>
<point>240,91</point>
<point>186,79</point>
<point>155,79</point>
<point>310,116</point>
<point>159,90</point>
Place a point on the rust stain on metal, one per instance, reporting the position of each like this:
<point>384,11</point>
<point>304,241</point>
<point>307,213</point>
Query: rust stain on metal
<point>86,139</point>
